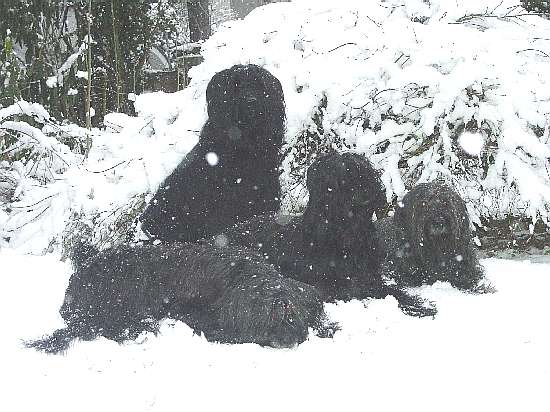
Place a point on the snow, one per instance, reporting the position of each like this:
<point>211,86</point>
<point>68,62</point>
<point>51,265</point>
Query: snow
<point>416,71</point>
<point>407,69</point>
<point>481,352</point>
<point>59,78</point>
<point>212,158</point>
<point>407,83</point>
<point>472,143</point>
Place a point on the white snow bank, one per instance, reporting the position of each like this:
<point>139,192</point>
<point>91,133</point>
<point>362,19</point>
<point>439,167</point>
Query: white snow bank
<point>481,353</point>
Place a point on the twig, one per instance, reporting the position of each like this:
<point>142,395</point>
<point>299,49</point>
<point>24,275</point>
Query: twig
<point>535,50</point>
<point>342,45</point>
<point>34,204</point>
<point>110,168</point>
<point>30,221</point>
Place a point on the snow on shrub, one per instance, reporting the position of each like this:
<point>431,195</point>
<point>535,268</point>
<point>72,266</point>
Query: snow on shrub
<point>48,191</point>
<point>34,197</point>
<point>413,85</point>
<point>426,89</point>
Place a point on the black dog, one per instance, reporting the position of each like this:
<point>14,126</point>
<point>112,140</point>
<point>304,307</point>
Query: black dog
<point>429,239</point>
<point>232,173</point>
<point>229,294</point>
<point>333,246</point>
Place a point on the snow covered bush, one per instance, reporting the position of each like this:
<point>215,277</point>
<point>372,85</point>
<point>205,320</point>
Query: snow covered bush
<point>50,194</point>
<point>426,89</point>
<point>33,159</point>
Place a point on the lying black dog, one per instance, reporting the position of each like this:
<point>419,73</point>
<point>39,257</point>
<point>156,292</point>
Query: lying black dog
<point>429,239</point>
<point>333,246</point>
<point>229,294</point>
<point>232,173</point>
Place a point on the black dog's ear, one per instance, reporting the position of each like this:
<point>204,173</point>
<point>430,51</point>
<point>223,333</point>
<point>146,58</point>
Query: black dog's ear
<point>273,93</point>
<point>369,180</point>
<point>220,93</point>
<point>317,171</point>
<point>273,101</point>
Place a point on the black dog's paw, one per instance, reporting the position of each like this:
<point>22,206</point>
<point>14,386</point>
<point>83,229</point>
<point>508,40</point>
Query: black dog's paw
<point>412,305</point>
<point>420,310</point>
<point>472,281</point>
<point>326,328</point>
<point>481,288</point>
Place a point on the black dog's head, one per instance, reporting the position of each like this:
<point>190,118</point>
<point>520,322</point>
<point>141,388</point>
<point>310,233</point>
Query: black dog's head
<point>247,102</point>
<point>435,223</point>
<point>344,192</point>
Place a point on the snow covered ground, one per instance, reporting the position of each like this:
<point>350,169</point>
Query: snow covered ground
<point>480,353</point>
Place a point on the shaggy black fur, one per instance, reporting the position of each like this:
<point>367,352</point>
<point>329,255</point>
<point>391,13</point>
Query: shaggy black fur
<point>245,129</point>
<point>229,294</point>
<point>429,238</point>
<point>333,245</point>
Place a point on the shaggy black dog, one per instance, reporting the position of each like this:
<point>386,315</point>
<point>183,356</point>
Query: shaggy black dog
<point>333,245</point>
<point>232,173</point>
<point>429,239</point>
<point>229,294</point>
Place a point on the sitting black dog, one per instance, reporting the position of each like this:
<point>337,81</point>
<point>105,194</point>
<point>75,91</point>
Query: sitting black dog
<point>232,173</point>
<point>333,246</point>
<point>229,294</point>
<point>429,239</point>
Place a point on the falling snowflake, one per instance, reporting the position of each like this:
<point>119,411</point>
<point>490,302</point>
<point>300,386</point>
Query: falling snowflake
<point>212,158</point>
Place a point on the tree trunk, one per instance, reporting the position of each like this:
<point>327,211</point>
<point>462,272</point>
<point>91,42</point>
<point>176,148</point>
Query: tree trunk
<point>199,19</point>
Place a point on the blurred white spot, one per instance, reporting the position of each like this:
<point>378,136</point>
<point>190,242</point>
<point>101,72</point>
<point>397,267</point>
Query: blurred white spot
<point>459,258</point>
<point>221,240</point>
<point>283,220</point>
<point>212,158</point>
<point>471,143</point>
